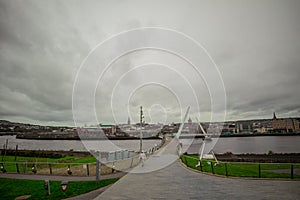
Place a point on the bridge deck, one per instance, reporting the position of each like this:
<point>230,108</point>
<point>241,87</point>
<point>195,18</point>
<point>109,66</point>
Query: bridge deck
<point>177,182</point>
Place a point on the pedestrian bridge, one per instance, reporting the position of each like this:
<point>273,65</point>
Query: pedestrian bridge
<point>164,177</point>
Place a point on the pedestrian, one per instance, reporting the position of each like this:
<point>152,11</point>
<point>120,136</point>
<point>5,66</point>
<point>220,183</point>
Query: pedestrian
<point>33,169</point>
<point>113,169</point>
<point>143,158</point>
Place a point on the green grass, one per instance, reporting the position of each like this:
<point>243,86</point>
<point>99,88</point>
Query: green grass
<point>11,167</point>
<point>239,169</point>
<point>12,188</point>
<point>73,159</point>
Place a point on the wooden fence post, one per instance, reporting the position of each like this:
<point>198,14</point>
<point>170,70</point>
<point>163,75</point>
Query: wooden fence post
<point>50,169</point>
<point>292,171</point>
<point>212,167</point>
<point>226,170</point>
<point>16,153</point>
<point>17,166</point>
<point>201,166</point>
<point>25,167</point>
<point>88,169</point>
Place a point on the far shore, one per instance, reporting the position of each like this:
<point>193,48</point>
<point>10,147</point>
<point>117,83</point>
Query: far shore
<point>230,157</point>
<point>242,135</point>
<point>42,136</point>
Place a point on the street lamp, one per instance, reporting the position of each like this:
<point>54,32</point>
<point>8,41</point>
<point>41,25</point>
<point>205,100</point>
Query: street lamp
<point>141,125</point>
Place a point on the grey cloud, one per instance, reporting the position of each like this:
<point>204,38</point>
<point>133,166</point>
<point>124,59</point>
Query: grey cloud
<point>42,43</point>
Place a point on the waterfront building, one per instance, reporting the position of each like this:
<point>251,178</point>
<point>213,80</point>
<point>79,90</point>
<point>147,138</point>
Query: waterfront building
<point>108,129</point>
<point>190,127</point>
<point>287,125</point>
<point>244,126</point>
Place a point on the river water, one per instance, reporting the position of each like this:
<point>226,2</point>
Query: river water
<point>262,144</point>
<point>77,145</point>
<point>259,144</point>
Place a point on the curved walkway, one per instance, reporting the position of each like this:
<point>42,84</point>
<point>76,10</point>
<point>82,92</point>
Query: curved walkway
<point>177,182</point>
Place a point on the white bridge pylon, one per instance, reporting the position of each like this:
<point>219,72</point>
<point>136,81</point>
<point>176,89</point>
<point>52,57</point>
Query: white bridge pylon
<point>210,155</point>
<point>179,146</point>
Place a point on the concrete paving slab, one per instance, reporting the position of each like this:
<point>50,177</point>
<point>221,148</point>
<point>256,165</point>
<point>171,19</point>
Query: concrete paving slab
<point>177,182</point>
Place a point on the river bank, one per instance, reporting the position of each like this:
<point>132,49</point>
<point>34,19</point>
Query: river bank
<point>59,136</point>
<point>55,136</point>
<point>239,135</point>
<point>229,157</point>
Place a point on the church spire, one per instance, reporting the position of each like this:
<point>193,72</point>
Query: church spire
<point>128,121</point>
<point>274,115</point>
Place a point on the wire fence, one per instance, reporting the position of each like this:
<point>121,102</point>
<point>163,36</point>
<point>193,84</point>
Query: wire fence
<point>244,169</point>
<point>111,163</point>
<point>75,169</point>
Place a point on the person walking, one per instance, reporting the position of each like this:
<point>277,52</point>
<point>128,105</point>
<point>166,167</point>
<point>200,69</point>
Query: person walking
<point>143,158</point>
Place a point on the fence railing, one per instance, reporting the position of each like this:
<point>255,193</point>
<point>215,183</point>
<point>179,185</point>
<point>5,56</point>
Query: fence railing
<point>244,169</point>
<point>111,162</point>
<point>76,169</point>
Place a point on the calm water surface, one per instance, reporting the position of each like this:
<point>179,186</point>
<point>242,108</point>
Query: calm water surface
<point>77,145</point>
<point>263,144</point>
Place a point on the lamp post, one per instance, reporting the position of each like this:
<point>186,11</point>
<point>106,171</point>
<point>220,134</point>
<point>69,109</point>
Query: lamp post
<point>141,125</point>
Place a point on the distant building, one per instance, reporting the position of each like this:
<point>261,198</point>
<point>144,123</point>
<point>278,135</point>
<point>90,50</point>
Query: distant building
<point>171,128</point>
<point>288,125</point>
<point>263,126</point>
<point>109,129</point>
<point>190,128</point>
<point>244,126</point>
<point>90,132</point>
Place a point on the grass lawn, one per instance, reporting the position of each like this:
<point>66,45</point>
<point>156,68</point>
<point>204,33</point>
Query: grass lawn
<point>11,167</point>
<point>239,169</point>
<point>73,159</point>
<point>12,188</point>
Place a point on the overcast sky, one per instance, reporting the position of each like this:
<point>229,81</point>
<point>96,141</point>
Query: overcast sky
<point>254,44</point>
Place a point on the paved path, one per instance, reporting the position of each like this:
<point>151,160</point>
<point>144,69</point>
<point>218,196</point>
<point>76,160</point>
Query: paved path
<point>90,195</point>
<point>287,171</point>
<point>178,182</point>
<point>60,178</point>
